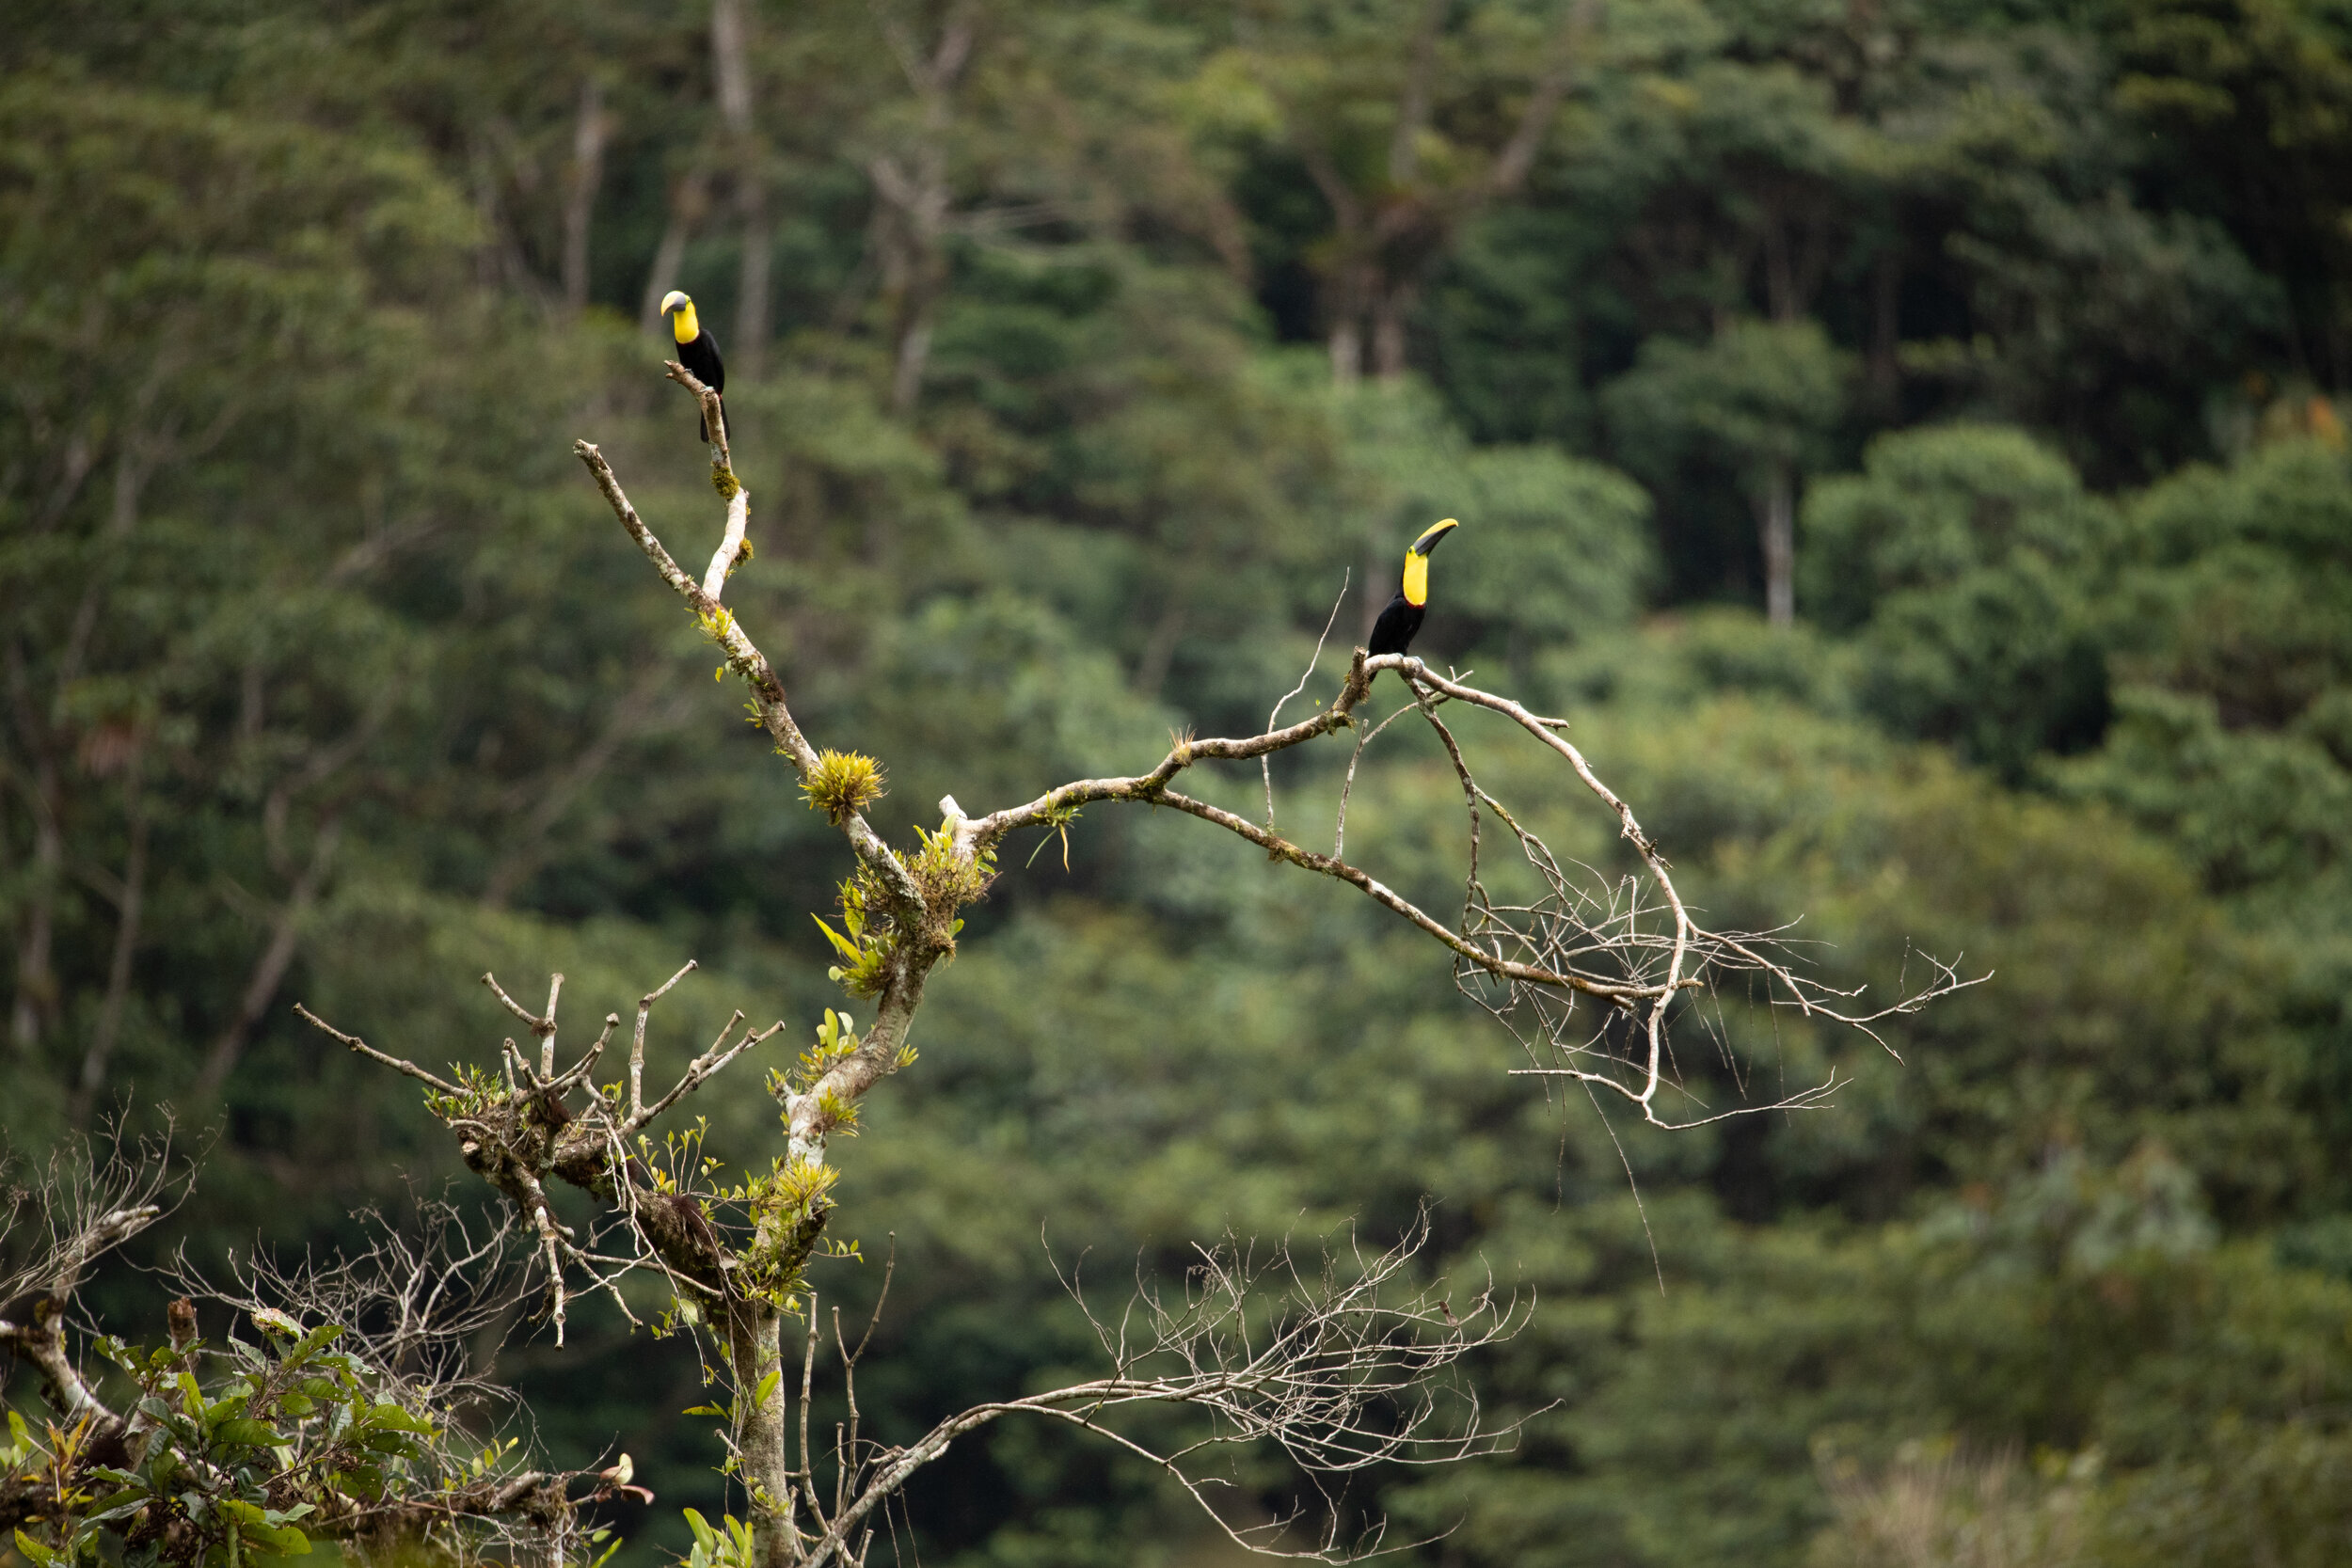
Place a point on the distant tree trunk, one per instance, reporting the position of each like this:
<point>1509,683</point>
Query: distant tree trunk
<point>1795,245</point>
<point>1347,351</point>
<point>730,69</point>
<point>579,197</point>
<point>1383,244</point>
<point>1885,373</point>
<point>912,199</point>
<point>1159,649</point>
<point>1776,525</point>
<point>36,1003</point>
<point>129,906</point>
<point>751,281</point>
<point>910,216</point>
<point>688,199</point>
<point>37,993</point>
<point>915,352</point>
<point>1388,332</point>
<point>269,972</point>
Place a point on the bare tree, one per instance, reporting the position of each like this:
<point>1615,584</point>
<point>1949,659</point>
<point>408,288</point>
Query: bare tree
<point>1589,972</point>
<point>1340,1366</point>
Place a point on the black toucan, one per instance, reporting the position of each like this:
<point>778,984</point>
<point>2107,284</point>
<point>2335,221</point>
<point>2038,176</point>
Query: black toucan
<point>1393,632</point>
<point>698,351</point>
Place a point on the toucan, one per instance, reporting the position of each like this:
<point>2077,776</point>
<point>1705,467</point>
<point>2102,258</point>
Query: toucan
<point>1393,632</point>
<point>698,351</point>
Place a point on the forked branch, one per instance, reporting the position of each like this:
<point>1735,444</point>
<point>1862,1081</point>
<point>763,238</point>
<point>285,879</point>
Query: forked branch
<point>1629,945</point>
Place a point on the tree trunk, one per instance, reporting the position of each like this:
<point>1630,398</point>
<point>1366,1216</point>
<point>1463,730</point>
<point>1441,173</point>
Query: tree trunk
<point>1388,335</point>
<point>910,222</point>
<point>36,1003</point>
<point>1159,649</point>
<point>579,197</point>
<point>1885,372</point>
<point>1379,586</point>
<point>730,69</point>
<point>269,972</point>
<point>96,1059</point>
<point>37,993</point>
<point>753,326</point>
<point>1347,351</point>
<point>914,349</point>
<point>754,1349</point>
<point>688,200</point>
<point>1776,523</point>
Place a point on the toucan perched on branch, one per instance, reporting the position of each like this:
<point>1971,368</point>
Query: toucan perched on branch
<point>1393,632</point>
<point>698,351</point>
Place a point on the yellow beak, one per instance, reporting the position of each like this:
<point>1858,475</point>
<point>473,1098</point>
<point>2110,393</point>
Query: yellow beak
<point>1428,541</point>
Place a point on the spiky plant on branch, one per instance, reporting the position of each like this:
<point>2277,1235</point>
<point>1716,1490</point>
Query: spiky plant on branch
<point>1341,1366</point>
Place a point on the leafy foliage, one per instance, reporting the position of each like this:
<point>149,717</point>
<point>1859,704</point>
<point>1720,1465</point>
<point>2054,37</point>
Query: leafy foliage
<point>285,1429</point>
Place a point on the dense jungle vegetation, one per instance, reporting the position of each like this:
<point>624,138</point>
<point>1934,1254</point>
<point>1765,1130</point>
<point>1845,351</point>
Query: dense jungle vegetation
<point>1077,353</point>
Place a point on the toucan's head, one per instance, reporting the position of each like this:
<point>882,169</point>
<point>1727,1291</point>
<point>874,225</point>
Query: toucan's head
<point>1417,561</point>
<point>685,328</point>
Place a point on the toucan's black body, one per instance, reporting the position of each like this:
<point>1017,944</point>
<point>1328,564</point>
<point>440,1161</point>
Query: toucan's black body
<point>1393,632</point>
<point>701,355</point>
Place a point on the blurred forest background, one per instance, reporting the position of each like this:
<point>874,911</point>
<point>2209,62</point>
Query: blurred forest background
<point>1076,352</point>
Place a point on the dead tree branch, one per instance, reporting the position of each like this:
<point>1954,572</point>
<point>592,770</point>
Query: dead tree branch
<point>1342,1377</point>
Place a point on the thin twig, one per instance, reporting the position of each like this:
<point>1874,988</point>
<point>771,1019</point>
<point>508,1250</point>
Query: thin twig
<point>365,1049</point>
<point>1265,765</point>
<point>637,1042</point>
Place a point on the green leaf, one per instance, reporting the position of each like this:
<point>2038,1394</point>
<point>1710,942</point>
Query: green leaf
<point>365,1480</point>
<point>283,1541</point>
<point>767,1386</point>
<point>34,1551</point>
<point>393,1418</point>
<point>706,1539</point>
<point>313,1342</point>
<point>245,1433</point>
<point>849,949</point>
